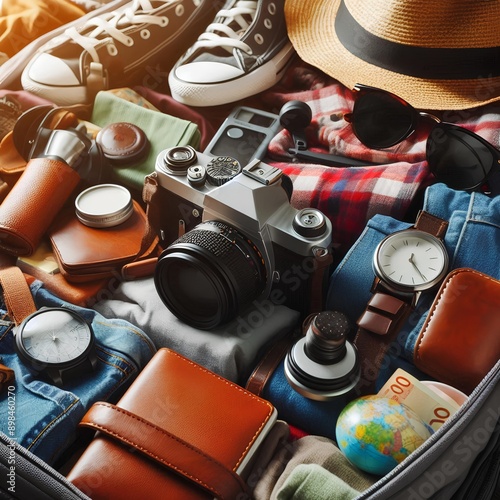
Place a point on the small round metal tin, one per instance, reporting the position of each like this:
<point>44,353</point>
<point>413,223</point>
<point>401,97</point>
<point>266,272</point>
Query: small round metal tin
<point>104,205</point>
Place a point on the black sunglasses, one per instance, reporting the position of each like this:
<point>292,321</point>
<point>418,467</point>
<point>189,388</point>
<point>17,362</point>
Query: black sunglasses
<point>456,156</point>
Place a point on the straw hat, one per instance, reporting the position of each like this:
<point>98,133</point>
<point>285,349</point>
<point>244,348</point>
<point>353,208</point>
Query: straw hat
<point>435,54</point>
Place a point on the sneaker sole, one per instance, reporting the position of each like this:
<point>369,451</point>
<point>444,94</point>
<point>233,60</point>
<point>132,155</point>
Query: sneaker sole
<point>62,96</point>
<point>215,94</point>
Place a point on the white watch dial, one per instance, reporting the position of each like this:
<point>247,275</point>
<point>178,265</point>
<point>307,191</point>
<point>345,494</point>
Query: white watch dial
<point>55,336</point>
<point>411,259</point>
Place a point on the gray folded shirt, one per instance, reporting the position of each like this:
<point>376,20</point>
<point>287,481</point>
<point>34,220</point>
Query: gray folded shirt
<point>229,350</point>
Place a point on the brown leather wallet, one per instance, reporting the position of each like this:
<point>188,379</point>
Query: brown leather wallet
<point>460,339</point>
<point>180,431</point>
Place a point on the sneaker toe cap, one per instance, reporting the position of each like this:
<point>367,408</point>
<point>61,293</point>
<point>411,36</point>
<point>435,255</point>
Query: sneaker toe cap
<point>46,69</point>
<point>205,72</point>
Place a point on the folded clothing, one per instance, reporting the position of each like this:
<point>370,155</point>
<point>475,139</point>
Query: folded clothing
<point>162,130</point>
<point>313,449</point>
<point>48,415</point>
<point>229,350</point>
<point>312,481</point>
<point>23,21</point>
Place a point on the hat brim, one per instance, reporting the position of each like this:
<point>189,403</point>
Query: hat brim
<point>311,29</point>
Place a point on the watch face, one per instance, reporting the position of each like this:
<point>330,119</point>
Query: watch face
<point>54,336</point>
<point>411,260</point>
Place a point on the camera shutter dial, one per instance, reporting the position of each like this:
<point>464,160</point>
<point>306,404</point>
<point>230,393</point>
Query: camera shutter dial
<point>222,169</point>
<point>178,158</point>
<point>310,223</point>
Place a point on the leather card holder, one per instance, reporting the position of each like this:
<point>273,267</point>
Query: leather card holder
<point>460,340</point>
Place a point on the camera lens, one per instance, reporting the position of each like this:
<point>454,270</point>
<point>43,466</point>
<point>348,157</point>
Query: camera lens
<point>209,275</point>
<point>179,158</point>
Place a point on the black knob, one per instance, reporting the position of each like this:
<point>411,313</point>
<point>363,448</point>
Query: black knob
<point>222,169</point>
<point>326,337</point>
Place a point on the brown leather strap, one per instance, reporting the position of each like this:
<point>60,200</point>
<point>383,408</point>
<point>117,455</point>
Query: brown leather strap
<point>150,194</point>
<point>431,224</point>
<point>144,263</point>
<point>165,448</point>
<point>7,377</point>
<point>378,327</point>
<point>267,365</point>
<point>17,294</point>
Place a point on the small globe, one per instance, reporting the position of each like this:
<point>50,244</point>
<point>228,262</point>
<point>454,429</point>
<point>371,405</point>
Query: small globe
<point>376,434</point>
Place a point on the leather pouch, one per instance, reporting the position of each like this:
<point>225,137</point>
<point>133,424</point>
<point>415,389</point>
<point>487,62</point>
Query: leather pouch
<point>86,253</point>
<point>27,211</point>
<point>180,431</point>
<point>460,340</point>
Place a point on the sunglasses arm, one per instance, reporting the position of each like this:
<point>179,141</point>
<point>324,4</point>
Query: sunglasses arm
<point>328,159</point>
<point>423,114</point>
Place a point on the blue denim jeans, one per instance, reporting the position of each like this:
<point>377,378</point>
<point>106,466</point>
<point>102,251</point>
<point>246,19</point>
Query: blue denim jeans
<point>472,240</point>
<point>42,417</point>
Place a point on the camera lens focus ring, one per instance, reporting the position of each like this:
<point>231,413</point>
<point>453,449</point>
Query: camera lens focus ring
<point>210,275</point>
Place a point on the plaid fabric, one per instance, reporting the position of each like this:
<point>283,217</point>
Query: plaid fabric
<point>349,197</point>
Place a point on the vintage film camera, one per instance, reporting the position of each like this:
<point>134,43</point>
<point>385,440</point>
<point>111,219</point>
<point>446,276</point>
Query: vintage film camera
<point>240,239</point>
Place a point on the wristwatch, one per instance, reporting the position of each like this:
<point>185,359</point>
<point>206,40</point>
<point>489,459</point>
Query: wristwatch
<point>406,263</point>
<point>58,343</point>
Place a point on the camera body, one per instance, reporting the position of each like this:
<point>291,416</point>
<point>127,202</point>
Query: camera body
<point>276,248</point>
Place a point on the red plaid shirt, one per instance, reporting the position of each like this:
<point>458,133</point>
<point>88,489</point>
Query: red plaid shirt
<point>347,196</point>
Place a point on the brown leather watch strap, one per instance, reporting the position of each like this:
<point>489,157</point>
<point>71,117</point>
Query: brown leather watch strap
<point>431,224</point>
<point>17,294</point>
<point>378,327</point>
<point>170,451</point>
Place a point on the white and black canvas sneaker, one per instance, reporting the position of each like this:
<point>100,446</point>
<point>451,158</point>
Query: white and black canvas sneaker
<point>132,45</point>
<point>244,51</point>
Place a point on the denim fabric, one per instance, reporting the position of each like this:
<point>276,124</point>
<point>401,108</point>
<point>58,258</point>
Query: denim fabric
<point>44,417</point>
<point>472,240</point>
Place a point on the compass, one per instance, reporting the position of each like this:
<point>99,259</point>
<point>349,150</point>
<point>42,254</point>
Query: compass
<point>58,343</point>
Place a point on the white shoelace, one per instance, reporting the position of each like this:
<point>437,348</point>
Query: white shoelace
<point>222,35</point>
<point>112,25</point>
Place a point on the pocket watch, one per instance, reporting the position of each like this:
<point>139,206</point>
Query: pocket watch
<point>56,342</point>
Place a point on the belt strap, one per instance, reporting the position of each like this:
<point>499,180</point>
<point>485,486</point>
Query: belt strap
<point>165,448</point>
<point>16,293</point>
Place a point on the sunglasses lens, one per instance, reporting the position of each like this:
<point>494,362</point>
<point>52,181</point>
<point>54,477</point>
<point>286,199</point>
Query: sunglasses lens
<point>379,120</point>
<point>458,157</point>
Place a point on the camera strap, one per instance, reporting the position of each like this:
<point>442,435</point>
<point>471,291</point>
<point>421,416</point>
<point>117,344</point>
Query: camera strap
<point>19,303</point>
<point>17,294</point>
<point>141,266</point>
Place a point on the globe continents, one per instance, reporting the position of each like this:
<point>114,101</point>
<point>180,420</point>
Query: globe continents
<point>376,434</point>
